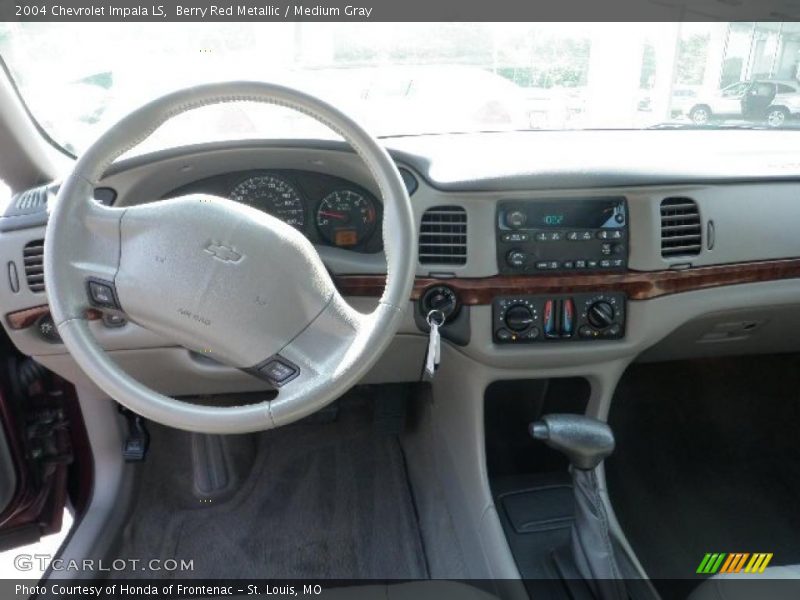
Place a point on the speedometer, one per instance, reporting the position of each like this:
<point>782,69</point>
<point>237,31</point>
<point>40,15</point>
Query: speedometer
<point>273,195</point>
<point>346,217</point>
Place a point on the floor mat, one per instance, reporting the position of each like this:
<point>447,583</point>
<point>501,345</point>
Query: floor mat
<point>323,500</point>
<point>707,460</point>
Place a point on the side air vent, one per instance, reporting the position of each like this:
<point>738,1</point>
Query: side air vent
<point>33,257</point>
<point>443,236</point>
<point>681,230</point>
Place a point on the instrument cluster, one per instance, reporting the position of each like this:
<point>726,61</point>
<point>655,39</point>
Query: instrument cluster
<point>328,210</point>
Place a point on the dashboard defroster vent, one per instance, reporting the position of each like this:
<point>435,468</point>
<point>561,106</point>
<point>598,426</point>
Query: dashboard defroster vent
<point>681,230</point>
<point>443,236</point>
<point>31,200</point>
<point>33,258</point>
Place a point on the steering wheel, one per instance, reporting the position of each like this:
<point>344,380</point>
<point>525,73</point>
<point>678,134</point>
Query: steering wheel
<point>221,278</point>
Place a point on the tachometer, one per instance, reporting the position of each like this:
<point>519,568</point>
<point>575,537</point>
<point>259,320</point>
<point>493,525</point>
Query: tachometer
<point>346,218</point>
<point>273,195</point>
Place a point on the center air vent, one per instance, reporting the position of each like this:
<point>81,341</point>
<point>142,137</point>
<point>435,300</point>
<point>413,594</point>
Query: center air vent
<point>681,230</point>
<point>33,257</point>
<point>443,236</point>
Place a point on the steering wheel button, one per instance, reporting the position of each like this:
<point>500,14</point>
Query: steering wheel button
<point>278,372</point>
<point>102,294</point>
<point>114,320</point>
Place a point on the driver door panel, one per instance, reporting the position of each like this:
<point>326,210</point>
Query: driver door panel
<point>8,476</point>
<point>35,454</point>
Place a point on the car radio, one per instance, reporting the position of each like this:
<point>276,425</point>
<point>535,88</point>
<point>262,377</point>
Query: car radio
<point>565,234</point>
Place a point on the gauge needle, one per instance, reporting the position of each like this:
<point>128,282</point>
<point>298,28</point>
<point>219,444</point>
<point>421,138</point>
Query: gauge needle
<point>333,215</point>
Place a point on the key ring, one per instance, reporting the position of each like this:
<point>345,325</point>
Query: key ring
<point>436,316</point>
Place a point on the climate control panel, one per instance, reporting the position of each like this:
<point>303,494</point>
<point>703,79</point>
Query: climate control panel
<point>552,318</point>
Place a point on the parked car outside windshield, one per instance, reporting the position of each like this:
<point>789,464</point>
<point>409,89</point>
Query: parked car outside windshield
<point>747,99</point>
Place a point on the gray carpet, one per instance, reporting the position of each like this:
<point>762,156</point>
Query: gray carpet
<point>323,500</point>
<point>707,460</point>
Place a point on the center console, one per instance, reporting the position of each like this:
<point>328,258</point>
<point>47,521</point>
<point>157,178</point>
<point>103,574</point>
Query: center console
<point>547,237</point>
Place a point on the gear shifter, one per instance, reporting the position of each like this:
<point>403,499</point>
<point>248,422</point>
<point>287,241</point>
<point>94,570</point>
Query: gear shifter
<point>586,442</point>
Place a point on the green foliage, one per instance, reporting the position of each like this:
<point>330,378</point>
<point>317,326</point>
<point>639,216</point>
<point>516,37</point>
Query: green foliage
<point>104,80</point>
<point>530,57</point>
<point>428,43</point>
<point>692,52</point>
<point>648,73</point>
<point>535,59</point>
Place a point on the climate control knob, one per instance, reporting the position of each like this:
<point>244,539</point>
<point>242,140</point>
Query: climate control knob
<point>601,314</point>
<point>516,258</point>
<point>518,317</point>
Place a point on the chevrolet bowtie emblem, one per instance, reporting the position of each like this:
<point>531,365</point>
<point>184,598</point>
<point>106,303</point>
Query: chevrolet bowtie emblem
<point>222,252</point>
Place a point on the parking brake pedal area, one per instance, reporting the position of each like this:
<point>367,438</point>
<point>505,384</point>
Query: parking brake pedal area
<point>137,438</point>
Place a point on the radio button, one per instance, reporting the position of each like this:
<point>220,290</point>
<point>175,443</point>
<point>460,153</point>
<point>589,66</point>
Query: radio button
<point>516,219</point>
<point>515,237</point>
<point>516,258</point>
<point>547,265</point>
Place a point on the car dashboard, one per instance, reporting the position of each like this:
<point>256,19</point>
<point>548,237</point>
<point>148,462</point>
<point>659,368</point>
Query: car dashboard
<point>547,253</point>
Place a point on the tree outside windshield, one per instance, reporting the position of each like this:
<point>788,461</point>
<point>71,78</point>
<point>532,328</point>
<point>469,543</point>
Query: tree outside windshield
<point>412,78</point>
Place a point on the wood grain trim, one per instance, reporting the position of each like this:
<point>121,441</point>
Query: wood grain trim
<point>22,319</point>
<point>638,285</point>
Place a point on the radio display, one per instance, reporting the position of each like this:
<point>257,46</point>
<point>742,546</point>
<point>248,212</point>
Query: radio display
<point>580,214</point>
<point>554,220</point>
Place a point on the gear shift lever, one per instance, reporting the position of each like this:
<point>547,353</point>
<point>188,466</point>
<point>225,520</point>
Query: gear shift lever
<point>586,442</point>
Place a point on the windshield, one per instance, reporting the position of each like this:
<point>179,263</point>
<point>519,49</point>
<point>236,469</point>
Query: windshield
<point>412,78</point>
